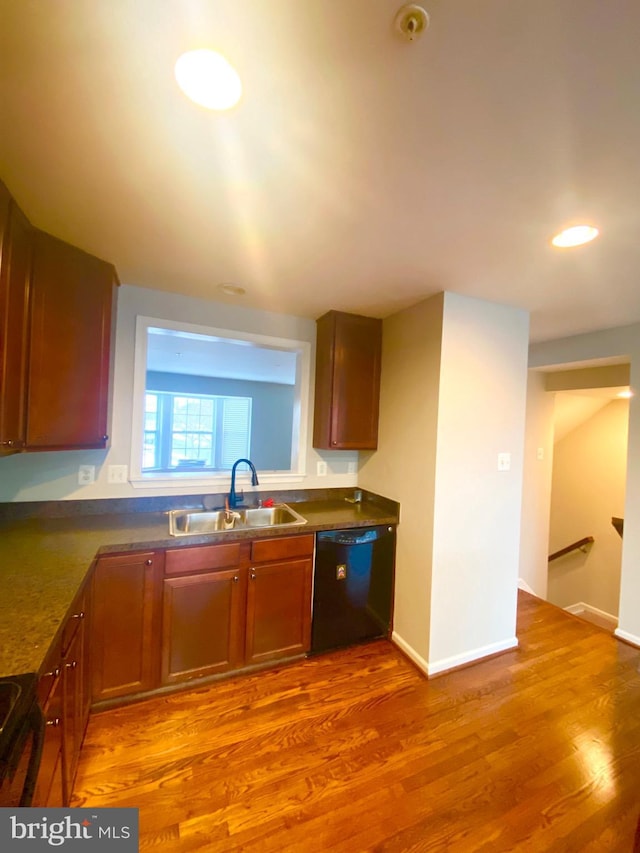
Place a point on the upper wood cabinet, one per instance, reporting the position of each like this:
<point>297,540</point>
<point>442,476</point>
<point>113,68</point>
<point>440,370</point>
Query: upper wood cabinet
<point>347,393</point>
<point>56,331</point>
<point>15,259</point>
<point>72,295</point>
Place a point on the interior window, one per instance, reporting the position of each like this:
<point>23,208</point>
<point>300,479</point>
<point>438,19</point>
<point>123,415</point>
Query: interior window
<point>197,432</point>
<point>206,397</point>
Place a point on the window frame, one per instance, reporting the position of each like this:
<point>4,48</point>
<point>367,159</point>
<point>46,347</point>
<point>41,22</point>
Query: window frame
<point>218,481</point>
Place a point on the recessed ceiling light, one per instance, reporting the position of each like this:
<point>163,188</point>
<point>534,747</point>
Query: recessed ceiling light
<point>625,394</point>
<point>575,236</point>
<point>208,79</point>
<point>231,290</point>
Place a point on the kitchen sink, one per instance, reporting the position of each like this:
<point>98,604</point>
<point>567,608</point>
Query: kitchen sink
<point>193,522</point>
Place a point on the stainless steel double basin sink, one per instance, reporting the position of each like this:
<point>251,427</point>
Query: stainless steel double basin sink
<point>193,522</point>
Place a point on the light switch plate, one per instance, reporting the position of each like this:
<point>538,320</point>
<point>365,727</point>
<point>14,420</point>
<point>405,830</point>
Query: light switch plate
<point>321,468</point>
<point>504,461</point>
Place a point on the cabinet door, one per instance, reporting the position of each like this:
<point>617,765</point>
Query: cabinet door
<point>70,347</point>
<point>124,625</point>
<point>202,621</point>
<point>15,260</point>
<point>49,787</point>
<point>278,610</point>
<point>347,392</point>
<point>75,697</point>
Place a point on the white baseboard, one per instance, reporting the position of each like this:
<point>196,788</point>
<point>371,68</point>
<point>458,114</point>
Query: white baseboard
<point>522,584</point>
<point>454,661</point>
<point>410,652</point>
<point>629,638</point>
<point>582,607</point>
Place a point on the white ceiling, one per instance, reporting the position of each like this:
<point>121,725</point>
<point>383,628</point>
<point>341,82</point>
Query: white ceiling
<point>201,355</point>
<point>359,172</point>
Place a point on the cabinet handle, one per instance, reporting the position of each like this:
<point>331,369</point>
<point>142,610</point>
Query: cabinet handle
<point>72,665</point>
<point>252,575</point>
<point>105,438</point>
<point>54,723</point>
<point>148,562</point>
<point>236,578</point>
<point>54,673</point>
<point>79,615</point>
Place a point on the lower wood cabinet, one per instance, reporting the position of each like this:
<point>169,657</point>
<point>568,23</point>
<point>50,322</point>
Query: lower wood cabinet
<point>278,610</point>
<point>76,689</point>
<point>164,618</point>
<point>202,624</point>
<point>125,624</point>
<point>49,787</point>
<point>63,692</point>
<point>234,605</point>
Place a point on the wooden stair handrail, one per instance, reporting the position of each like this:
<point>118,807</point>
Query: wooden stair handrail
<point>581,545</point>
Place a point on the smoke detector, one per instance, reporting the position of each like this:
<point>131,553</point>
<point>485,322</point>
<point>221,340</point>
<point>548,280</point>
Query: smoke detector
<point>412,20</point>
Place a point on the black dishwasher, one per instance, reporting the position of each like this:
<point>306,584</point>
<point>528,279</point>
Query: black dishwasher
<point>353,586</point>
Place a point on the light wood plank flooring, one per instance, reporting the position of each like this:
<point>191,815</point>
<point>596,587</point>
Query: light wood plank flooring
<point>535,750</point>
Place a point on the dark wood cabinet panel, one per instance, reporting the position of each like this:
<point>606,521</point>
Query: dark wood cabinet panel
<point>167,618</point>
<point>278,610</point>
<point>347,390</point>
<point>282,548</point>
<point>76,689</point>
<point>49,790</point>
<point>202,623</point>
<point>203,558</point>
<point>72,296</point>
<point>15,261</point>
<point>125,624</point>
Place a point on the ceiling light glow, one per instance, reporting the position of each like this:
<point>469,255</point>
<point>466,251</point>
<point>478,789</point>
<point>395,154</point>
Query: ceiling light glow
<point>207,78</point>
<point>577,235</point>
<point>625,395</point>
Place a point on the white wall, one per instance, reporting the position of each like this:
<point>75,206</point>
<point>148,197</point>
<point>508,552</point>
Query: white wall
<point>623,341</point>
<point>589,473</point>
<point>455,369</point>
<point>481,413</point>
<point>536,488</point>
<point>54,476</point>
<point>403,467</point>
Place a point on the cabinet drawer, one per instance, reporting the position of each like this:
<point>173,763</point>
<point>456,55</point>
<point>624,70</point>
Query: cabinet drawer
<point>281,548</point>
<point>180,561</point>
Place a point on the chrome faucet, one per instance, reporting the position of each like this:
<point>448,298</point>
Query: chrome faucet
<point>235,499</point>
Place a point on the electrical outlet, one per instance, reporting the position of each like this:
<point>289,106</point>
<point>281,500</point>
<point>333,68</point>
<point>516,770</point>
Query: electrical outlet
<point>117,474</point>
<point>540,453</point>
<point>504,461</point>
<point>321,468</point>
<point>352,467</point>
<point>86,475</point>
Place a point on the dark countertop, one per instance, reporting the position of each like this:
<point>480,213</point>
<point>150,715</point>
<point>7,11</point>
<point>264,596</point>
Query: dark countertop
<point>44,560</point>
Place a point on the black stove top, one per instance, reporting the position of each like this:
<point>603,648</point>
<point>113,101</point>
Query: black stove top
<point>17,695</point>
<point>20,715</point>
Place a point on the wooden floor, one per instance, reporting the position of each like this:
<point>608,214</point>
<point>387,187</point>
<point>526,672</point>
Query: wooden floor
<point>537,749</point>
